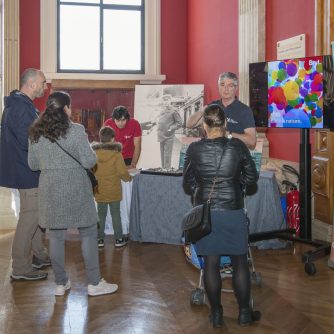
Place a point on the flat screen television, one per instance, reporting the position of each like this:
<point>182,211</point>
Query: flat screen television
<point>293,93</point>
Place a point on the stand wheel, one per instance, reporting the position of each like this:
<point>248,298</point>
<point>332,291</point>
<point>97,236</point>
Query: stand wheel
<point>251,302</point>
<point>197,297</point>
<point>310,268</point>
<point>257,278</point>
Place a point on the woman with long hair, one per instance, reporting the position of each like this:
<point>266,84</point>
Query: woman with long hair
<point>227,164</point>
<point>65,192</point>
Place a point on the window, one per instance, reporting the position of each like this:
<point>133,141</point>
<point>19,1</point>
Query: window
<point>96,56</point>
<point>101,36</point>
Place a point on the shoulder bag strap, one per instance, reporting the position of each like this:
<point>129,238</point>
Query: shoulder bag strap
<point>70,155</point>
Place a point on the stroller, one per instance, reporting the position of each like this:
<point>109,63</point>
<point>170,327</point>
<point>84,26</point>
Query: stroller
<point>197,296</point>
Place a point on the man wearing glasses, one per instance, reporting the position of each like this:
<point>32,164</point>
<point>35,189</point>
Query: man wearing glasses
<point>240,120</point>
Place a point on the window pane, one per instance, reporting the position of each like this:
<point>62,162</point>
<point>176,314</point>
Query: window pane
<point>81,1</point>
<point>123,2</point>
<point>79,38</point>
<point>122,40</point>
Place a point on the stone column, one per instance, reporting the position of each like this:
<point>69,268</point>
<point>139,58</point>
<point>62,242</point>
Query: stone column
<point>252,37</point>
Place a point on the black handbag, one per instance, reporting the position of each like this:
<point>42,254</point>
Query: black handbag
<point>90,174</point>
<point>93,180</point>
<point>196,223</point>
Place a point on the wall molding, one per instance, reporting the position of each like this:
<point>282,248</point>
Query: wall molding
<point>93,84</point>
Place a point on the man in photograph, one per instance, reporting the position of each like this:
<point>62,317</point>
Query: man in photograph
<point>169,121</point>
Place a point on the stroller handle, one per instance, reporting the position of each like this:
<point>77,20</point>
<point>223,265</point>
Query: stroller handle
<point>291,170</point>
<point>289,184</point>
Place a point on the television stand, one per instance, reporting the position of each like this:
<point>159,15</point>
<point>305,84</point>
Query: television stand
<point>322,248</point>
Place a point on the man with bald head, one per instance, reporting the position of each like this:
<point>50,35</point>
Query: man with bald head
<point>28,252</point>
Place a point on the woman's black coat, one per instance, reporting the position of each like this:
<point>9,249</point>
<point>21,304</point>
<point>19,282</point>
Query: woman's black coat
<point>237,169</point>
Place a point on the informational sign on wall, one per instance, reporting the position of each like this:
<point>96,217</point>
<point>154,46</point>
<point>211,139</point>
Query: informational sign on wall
<point>293,47</point>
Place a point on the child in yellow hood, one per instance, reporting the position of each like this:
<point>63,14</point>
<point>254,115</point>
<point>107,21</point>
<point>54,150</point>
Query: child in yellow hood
<point>110,169</point>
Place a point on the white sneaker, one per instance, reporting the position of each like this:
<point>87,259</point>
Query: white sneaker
<point>103,288</point>
<point>61,289</point>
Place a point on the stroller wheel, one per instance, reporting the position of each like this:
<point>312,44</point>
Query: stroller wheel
<point>257,278</point>
<point>310,268</point>
<point>197,297</point>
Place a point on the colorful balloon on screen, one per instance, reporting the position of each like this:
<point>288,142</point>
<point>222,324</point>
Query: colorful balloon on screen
<point>295,93</point>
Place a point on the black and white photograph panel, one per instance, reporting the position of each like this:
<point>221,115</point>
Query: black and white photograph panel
<point>162,111</point>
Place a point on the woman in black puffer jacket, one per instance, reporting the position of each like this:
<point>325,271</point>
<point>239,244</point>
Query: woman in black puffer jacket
<point>230,162</point>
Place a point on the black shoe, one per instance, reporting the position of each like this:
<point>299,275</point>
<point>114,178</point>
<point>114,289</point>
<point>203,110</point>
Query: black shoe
<point>120,242</point>
<point>39,264</point>
<point>32,275</point>
<point>100,243</point>
<point>247,316</point>
<point>216,317</point>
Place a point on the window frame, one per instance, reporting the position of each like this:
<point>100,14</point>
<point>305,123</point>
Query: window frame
<point>152,50</point>
<point>103,7</point>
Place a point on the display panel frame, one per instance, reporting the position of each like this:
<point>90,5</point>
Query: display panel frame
<point>303,86</point>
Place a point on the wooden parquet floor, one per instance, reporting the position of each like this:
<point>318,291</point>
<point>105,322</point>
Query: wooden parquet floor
<point>154,296</point>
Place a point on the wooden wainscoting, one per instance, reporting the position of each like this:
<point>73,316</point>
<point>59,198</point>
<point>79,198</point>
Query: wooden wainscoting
<point>323,176</point>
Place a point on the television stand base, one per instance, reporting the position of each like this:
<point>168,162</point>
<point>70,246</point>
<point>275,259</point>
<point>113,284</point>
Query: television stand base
<point>322,248</point>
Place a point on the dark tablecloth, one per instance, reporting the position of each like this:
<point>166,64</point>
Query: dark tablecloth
<point>158,204</point>
<point>264,209</point>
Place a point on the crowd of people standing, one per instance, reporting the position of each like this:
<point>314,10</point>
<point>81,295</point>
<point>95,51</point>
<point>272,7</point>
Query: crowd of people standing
<point>45,156</point>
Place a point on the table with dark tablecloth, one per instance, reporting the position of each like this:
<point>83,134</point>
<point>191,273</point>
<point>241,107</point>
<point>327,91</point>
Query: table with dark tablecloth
<point>158,204</point>
<point>264,209</point>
